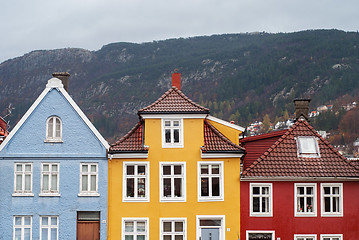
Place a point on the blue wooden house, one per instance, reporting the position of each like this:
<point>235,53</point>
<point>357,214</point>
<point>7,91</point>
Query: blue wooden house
<point>53,172</point>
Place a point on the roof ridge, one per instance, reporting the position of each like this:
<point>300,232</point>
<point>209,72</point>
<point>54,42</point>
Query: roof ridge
<point>188,99</point>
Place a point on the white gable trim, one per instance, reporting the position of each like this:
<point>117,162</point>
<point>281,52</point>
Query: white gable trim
<point>160,116</point>
<point>225,123</point>
<point>54,83</point>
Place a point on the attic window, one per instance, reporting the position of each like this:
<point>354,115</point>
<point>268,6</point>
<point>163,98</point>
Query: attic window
<point>308,147</point>
<point>53,129</point>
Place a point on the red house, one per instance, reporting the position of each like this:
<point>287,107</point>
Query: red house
<point>300,188</point>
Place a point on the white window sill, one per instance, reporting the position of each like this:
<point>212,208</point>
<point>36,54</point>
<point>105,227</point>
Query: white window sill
<point>53,141</point>
<point>172,146</point>
<point>332,214</point>
<point>300,214</point>
<point>22,194</point>
<point>261,214</point>
<point>84,194</point>
<point>136,200</point>
<point>202,199</point>
<point>172,200</point>
<point>49,195</point>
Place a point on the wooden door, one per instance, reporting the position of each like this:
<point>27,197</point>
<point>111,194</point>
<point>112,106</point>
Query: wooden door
<point>88,230</point>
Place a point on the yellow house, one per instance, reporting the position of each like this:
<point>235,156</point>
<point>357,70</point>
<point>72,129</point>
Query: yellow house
<point>175,175</point>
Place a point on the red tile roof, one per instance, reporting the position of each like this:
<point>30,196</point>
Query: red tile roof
<point>173,101</point>
<point>132,142</point>
<point>281,159</point>
<point>216,142</point>
<point>3,130</point>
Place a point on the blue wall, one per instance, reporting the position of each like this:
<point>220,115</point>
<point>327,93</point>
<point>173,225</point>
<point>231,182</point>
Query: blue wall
<point>79,145</point>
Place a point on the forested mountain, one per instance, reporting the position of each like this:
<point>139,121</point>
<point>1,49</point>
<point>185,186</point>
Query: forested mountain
<point>239,77</point>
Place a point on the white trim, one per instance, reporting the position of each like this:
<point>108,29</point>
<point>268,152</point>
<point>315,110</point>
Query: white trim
<point>314,207</point>
<point>225,123</point>
<point>259,231</point>
<point>60,88</point>
<point>49,226</point>
<point>23,172</point>
<point>341,198</point>
<point>221,155</point>
<point>22,226</point>
<point>340,236</point>
<point>128,155</point>
<point>180,144</point>
<point>221,183</point>
<point>169,116</point>
<point>270,205</point>
<point>147,182</point>
<point>222,233</point>
<point>173,199</point>
<point>184,220</point>
<point>296,236</point>
<point>50,192</point>
<point>89,173</point>
<point>132,219</point>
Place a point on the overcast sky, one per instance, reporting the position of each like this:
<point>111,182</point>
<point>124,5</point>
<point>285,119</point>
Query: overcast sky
<point>28,25</point>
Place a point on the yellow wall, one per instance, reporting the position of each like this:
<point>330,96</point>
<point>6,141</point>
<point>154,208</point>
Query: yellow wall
<point>154,209</point>
<point>231,133</point>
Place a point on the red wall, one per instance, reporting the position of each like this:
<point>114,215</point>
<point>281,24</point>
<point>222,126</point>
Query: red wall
<point>286,225</point>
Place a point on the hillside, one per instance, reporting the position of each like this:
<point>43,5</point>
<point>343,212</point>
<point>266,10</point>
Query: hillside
<point>239,77</point>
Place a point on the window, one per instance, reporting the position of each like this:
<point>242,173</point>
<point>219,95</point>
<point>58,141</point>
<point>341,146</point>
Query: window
<point>305,199</point>
<point>136,183</point>
<point>50,178</point>
<point>332,199</point>
<point>173,229</point>
<point>210,227</point>
<point>135,229</point>
<point>172,133</point>
<point>305,237</point>
<point>23,179</point>
<point>261,199</point>
<point>89,179</point>
<point>53,129</point>
<point>260,235</point>
<point>22,228</point>
<point>331,236</point>
<point>308,147</point>
<point>210,187</point>
<point>49,228</point>
<point>172,181</point>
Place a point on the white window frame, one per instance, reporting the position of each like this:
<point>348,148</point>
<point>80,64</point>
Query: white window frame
<point>147,182</point>
<point>22,226</point>
<point>261,214</point>
<point>181,130</point>
<point>331,236</point>
<point>222,233</point>
<point>305,236</point>
<point>172,177</point>
<point>135,220</point>
<point>308,155</point>
<point>53,138</point>
<point>210,176</point>
<point>259,231</point>
<point>89,173</point>
<point>49,227</point>
<point>50,173</point>
<point>173,220</point>
<point>23,173</point>
<point>314,207</point>
<point>331,214</point>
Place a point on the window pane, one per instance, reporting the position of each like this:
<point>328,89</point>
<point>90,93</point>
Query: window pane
<point>45,167</point>
<point>327,204</point>
<point>44,234</point>
<point>129,227</point>
<point>27,182</point>
<point>18,182</point>
<point>256,190</point>
<point>167,187</point>
<point>45,221</point>
<point>204,187</point>
<point>53,233</point>
<point>309,190</point>
<point>178,226</point>
<point>215,186</point>
<point>58,125</point>
<point>127,237</point>
<point>335,190</point>
<point>93,183</point>
<point>215,169</point>
<point>176,123</point>
<point>167,123</point>
<point>130,170</point>
<point>17,233</point>
<point>168,237</point>
<point>141,226</point>
<point>141,170</point>
<point>140,237</point>
<point>130,187</point>
<point>335,204</point>
<point>27,168</point>
<point>265,204</point>
<point>265,190</point>
<point>307,145</point>
<point>93,168</point>
<point>54,221</point>
<point>17,220</point>
<point>168,135</point>
<point>300,190</point>
<point>45,182</point>
<point>166,170</point>
<point>54,167</point>
<point>326,190</point>
<point>84,182</point>
<point>178,187</point>
<point>167,227</point>
<point>204,169</point>
<point>85,168</point>
<point>301,204</point>
<point>309,204</point>
<point>210,222</point>
<point>178,169</point>
<point>54,182</point>
<point>256,204</point>
<point>141,187</point>
<point>179,237</point>
<point>27,234</point>
<point>50,128</point>
<point>176,135</point>
<point>19,167</point>
<point>27,220</point>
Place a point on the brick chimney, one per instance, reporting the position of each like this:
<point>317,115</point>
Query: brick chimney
<point>176,80</point>
<point>64,77</point>
<point>302,108</point>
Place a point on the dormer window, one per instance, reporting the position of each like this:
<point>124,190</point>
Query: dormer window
<point>53,129</point>
<point>308,147</point>
<point>172,133</point>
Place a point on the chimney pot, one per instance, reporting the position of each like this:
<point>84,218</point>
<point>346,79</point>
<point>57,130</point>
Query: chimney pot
<point>64,77</point>
<point>176,80</point>
<point>302,108</point>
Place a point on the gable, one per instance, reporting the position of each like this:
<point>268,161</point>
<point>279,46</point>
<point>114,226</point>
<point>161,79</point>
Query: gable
<point>28,139</point>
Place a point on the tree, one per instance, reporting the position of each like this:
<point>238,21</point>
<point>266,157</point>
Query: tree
<point>266,123</point>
